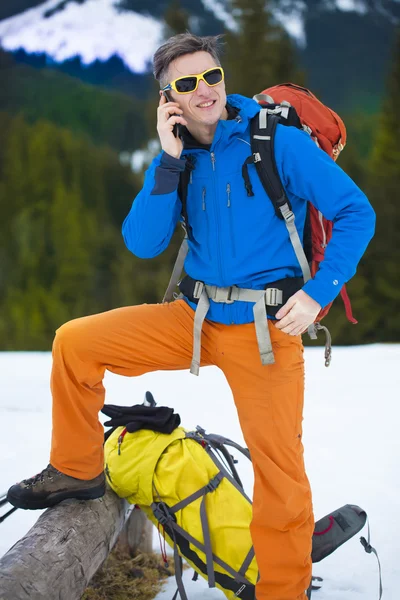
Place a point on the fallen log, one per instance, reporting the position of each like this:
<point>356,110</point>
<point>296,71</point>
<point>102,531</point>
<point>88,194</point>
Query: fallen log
<point>61,553</point>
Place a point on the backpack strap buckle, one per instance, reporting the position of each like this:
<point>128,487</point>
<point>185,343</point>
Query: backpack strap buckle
<point>273,297</point>
<point>198,289</point>
<point>214,482</point>
<point>162,513</point>
<point>220,294</point>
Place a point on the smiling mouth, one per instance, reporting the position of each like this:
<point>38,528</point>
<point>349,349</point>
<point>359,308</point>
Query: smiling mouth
<point>207,104</point>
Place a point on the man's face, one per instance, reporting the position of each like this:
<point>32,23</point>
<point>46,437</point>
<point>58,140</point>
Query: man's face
<point>196,105</point>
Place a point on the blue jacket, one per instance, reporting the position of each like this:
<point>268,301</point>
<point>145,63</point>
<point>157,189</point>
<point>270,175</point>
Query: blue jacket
<point>238,240</point>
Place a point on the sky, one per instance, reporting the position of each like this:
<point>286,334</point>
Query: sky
<point>352,447</point>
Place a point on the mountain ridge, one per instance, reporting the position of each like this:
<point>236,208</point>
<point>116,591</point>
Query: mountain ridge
<point>344,46</point>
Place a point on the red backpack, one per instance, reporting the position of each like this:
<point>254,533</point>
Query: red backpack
<point>290,104</point>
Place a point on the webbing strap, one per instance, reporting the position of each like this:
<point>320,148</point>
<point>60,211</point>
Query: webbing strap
<point>263,118</point>
<point>177,270</point>
<point>199,316</point>
<point>262,332</point>
<point>210,487</point>
<point>262,298</point>
<point>207,543</point>
<point>369,549</point>
<point>174,597</point>
<point>289,218</point>
<point>178,570</point>
<point>230,478</point>
<point>272,296</point>
<point>247,561</point>
<point>215,438</point>
<point>218,561</point>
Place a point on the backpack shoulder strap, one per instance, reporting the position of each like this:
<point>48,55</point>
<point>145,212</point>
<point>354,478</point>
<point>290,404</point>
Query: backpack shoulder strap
<point>184,179</point>
<point>262,133</point>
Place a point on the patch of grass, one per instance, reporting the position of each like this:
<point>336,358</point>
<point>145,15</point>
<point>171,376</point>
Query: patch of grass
<point>125,578</point>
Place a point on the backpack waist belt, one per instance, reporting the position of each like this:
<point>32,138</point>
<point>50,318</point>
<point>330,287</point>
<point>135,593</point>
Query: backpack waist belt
<point>266,302</point>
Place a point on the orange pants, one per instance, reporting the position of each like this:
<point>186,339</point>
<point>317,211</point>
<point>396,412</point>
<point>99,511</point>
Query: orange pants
<point>269,399</point>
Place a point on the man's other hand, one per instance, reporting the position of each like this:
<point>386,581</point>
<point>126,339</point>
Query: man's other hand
<point>297,314</point>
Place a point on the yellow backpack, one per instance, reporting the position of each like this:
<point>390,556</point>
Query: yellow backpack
<point>187,484</point>
<point>182,486</point>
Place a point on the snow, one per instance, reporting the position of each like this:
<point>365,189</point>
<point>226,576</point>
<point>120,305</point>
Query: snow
<point>293,19</point>
<point>352,448</point>
<point>220,12</point>
<point>93,30</point>
<point>358,6</point>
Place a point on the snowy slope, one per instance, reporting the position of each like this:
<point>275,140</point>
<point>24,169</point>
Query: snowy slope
<point>350,432</point>
<point>93,30</point>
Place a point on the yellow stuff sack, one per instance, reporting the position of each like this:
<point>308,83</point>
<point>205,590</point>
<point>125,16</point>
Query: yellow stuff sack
<point>178,480</point>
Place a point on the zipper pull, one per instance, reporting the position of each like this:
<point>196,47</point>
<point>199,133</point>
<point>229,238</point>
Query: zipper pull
<point>213,160</point>
<point>191,177</point>
<point>228,191</point>
<point>121,439</point>
<point>204,198</point>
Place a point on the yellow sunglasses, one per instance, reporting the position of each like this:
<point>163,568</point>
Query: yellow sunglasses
<point>190,83</point>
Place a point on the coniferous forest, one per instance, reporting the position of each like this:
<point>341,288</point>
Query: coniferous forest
<point>65,187</point>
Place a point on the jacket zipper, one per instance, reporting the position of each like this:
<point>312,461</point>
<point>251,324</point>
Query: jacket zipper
<point>204,207</point>
<point>228,192</point>
<point>217,215</point>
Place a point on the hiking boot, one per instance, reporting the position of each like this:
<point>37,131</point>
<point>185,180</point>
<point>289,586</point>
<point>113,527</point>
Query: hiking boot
<point>51,487</point>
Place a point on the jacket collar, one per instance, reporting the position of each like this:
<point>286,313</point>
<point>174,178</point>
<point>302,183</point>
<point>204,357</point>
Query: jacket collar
<point>240,111</point>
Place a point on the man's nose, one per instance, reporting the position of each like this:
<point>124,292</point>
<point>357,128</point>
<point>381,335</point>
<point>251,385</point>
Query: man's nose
<point>203,89</point>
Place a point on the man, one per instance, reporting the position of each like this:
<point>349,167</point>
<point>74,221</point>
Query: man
<point>235,241</point>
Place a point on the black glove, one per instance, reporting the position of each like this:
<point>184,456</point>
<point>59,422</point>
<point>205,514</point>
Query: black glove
<point>156,418</point>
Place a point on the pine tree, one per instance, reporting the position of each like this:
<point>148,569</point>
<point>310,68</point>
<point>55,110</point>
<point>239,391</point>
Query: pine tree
<point>384,185</point>
<point>62,201</point>
<point>260,53</point>
<point>176,19</point>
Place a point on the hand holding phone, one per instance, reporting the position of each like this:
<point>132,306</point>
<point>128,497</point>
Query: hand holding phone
<point>169,117</point>
<point>176,128</point>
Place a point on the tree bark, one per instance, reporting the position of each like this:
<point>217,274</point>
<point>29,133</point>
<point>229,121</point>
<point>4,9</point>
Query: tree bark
<point>137,534</point>
<point>58,557</point>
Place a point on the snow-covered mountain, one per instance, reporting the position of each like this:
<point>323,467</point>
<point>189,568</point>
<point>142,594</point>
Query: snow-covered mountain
<point>93,29</point>
<point>132,29</point>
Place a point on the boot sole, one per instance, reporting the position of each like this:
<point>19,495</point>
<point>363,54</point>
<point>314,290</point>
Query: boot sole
<point>92,494</point>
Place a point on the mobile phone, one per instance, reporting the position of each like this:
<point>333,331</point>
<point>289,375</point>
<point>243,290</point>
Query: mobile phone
<point>176,128</point>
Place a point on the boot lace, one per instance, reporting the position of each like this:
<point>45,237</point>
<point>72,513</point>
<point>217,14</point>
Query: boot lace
<point>49,471</point>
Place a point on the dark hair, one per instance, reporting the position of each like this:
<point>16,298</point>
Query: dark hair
<point>178,45</point>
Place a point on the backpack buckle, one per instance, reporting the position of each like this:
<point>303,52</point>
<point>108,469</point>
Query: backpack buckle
<point>162,513</point>
<point>198,289</point>
<point>273,297</point>
<point>214,483</point>
<point>221,294</point>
